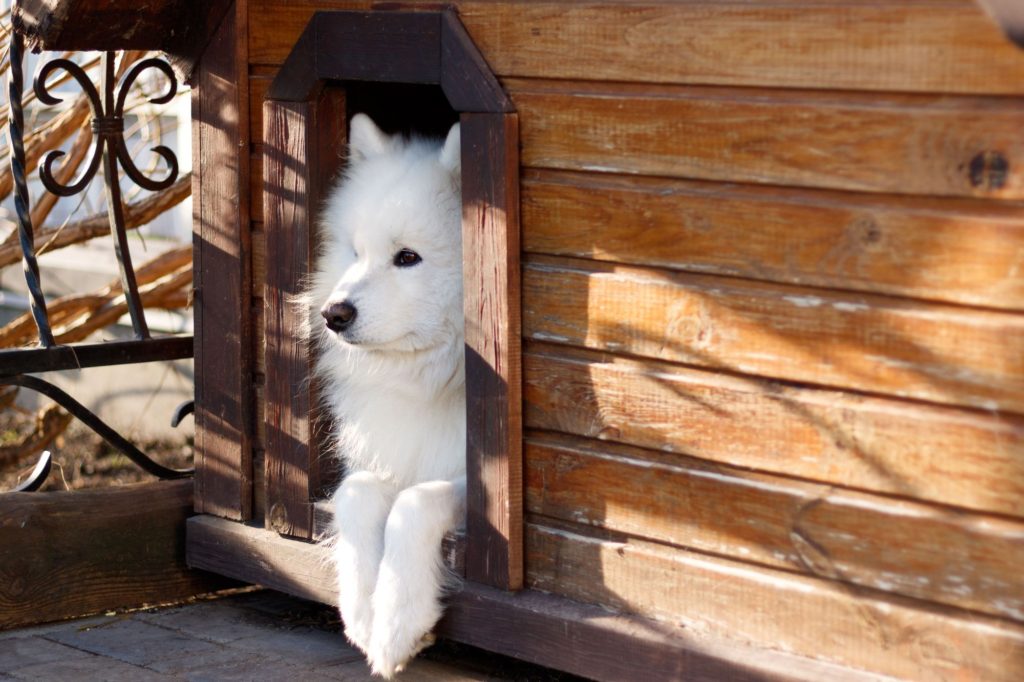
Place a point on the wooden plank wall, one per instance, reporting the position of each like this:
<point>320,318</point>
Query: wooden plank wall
<point>773,313</point>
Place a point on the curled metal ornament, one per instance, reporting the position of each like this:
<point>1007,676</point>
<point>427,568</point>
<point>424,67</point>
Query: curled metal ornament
<point>108,122</point>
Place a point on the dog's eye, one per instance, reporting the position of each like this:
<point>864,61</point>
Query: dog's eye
<point>406,258</point>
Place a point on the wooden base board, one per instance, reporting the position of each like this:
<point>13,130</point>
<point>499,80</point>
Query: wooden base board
<point>541,628</point>
<point>70,554</point>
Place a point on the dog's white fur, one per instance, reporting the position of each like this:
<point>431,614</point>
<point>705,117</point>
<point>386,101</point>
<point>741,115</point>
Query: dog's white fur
<point>394,381</point>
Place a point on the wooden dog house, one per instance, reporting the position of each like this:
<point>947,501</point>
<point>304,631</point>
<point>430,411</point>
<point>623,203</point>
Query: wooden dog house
<point>745,320</point>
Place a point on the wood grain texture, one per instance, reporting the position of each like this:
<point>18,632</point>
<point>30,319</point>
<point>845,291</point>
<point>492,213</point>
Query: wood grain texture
<point>223,281</point>
<point>490,248</point>
<point>303,143</point>
<point>903,348</point>
<point>465,78</point>
<point>902,144</point>
<point>774,610</point>
<point>938,454</point>
<point>542,628</point>
<point>69,554</point>
<point>935,46</point>
<point>928,552</point>
<point>966,252</point>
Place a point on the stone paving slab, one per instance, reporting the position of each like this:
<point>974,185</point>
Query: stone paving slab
<point>259,635</point>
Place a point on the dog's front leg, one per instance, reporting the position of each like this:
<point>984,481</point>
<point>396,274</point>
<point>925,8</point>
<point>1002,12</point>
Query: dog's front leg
<point>412,576</point>
<point>361,506</point>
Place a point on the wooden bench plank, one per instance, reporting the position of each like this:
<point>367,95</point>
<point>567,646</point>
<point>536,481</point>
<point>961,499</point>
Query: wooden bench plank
<point>876,344</point>
<point>943,455</point>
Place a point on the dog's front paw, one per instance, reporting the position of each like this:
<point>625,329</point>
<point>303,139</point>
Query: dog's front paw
<point>387,657</point>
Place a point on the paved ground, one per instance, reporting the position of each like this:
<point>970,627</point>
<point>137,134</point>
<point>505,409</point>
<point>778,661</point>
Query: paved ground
<point>262,636</point>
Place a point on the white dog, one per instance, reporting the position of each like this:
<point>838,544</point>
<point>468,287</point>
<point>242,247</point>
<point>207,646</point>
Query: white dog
<point>388,290</point>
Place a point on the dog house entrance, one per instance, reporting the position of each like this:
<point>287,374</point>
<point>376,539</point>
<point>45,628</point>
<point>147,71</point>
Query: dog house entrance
<point>346,62</point>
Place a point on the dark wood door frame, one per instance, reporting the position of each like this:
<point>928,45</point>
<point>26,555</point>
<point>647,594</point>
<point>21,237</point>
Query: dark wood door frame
<point>302,130</point>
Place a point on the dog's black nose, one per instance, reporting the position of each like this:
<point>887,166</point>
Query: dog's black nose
<point>339,316</point>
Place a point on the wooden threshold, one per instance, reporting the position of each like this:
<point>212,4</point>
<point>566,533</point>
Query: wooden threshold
<point>534,626</point>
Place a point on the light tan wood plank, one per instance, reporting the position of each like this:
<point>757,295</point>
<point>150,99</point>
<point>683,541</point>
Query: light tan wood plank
<point>934,553</point>
<point>851,141</point>
<point>878,344</point>
<point>772,609</point>
<point>943,455</point>
<point>946,249</point>
<point>938,46</point>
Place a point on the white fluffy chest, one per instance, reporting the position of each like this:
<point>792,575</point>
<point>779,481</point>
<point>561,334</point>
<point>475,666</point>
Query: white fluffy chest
<point>407,439</point>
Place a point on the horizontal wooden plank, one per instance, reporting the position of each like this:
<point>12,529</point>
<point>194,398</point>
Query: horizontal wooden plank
<point>944,455</point>
<point>68,554</point>
<point>962,251</point>
<point>774,609</point>
<point>934,145</point>
<point>940,45</point>
<point>545,629</point>
<point>934,553</point>
<point>878,344</point>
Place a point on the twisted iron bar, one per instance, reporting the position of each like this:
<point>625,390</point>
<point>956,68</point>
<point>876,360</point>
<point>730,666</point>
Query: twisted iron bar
<point>110,149</point>
<point>16,138</point>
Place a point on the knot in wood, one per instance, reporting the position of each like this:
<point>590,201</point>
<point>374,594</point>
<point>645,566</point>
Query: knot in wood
<point>988,170</point>
<point>279,518</point>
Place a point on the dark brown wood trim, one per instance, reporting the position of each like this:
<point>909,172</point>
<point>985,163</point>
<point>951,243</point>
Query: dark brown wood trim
<point>467,81</point>
<point>222,280</point>
<point>302,143</point>
<point>181,28</point>
<point>530,625</point>
<point>69,554</point>
<point>490,256</point>
<point>389,47</point>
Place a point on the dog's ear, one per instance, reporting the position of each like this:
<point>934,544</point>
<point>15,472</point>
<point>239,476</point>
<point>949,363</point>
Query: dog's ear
<point>451,153</point>
<point>365,139</point>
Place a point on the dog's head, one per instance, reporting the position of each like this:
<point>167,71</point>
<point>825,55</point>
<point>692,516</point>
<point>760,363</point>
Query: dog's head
<point>389,276</point>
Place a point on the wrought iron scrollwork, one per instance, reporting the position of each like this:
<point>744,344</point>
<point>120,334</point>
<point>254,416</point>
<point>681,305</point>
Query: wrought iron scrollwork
<point>110,150</point>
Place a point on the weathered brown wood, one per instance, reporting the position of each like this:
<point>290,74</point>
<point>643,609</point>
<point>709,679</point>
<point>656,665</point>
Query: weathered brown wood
<point>928,552</point>
<point>303,143</point>
<point>182,28</point>
<point>261,557</point>
<point>935,46</point>
<point>773,609</point>
<point>553,631</point>
<point>903,144</point>
<point>392,47</point>
<point>223,281</point>
<point>68,554</point>
<point>939,454</point>
<point>962,251</point>
<point>466,79</point>
<point>490,248</point>
<point>904,348</point>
